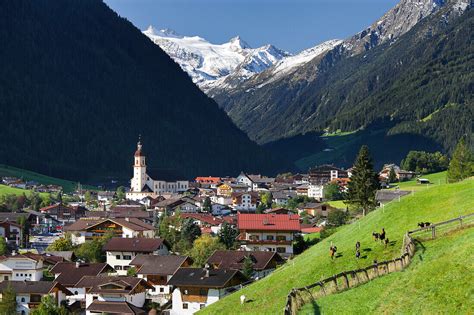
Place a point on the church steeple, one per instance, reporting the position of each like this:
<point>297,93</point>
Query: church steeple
<point>139,151</point>
<point>139,168</point>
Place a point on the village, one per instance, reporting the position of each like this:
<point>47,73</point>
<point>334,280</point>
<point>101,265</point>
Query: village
<point>167,244</point>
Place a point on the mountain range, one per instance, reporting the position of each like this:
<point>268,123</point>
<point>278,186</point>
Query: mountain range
<point>406,76</point>
<point>78,84</point>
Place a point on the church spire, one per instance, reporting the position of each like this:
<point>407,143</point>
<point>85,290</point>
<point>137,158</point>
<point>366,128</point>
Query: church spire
<point>139,151</point>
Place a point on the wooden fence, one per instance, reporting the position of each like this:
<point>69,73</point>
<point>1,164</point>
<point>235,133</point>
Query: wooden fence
<point>353,278</point>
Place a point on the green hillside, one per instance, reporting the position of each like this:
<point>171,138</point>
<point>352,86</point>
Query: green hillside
<point>268,295</point>
<point>436,278</point>
<point>6,170</point>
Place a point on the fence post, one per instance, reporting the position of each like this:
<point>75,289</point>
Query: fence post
<point>346,279</point>
<point>433,232</point>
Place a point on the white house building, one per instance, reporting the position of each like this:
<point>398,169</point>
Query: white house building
<point>121,251</point>
<point>246,201</point>
<point>316,191</point>
<point>196,288</point>
<point>116,295</point>
<point>158,270</point>
<point>28,267</point>
<point>153,183</point>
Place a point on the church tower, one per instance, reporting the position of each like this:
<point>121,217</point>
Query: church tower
<point>139,169</point>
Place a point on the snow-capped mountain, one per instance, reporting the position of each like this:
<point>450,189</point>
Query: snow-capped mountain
<point>209,64</point>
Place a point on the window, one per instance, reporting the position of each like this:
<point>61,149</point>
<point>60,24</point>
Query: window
<point>127,257</point>
<point>185,306</point>
<point>185,292</point>
<point>117,257</point>
<point>94,298</point>
<point>76,293</point>
<point>281,238</point>
<point>201,306</point>
<point>153,289</point>
<point>162,290</point>
<point>5,277</point>
<point>23,299</point>
<point>269,237</point>
<point>203,292</point>
<point>17,274</point>
<point>281,249</point>
<point>118,267</point>
<point>21,275</point>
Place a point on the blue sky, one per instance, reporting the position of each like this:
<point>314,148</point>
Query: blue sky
<point>291,25</point>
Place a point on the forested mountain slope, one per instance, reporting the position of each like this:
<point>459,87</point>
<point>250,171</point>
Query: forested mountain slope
<point>78,84</point>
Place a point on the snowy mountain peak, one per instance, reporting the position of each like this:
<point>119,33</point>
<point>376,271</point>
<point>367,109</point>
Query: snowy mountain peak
<point>238,43</point>
<point>152,31</point>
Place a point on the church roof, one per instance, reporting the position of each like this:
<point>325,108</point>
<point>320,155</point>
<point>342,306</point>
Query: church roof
<point>166,175</point>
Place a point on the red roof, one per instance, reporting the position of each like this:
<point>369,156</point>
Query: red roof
<point>311,230</point>
<point>269,222</point>
<point>203,217</point>
<point>208,180</point>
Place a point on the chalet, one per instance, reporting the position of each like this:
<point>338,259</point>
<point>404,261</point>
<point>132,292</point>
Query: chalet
<point>68,274</point>
<point>21,267</point>
<point>114,295</point>
<point>323,174</point>
<point>121,251</point>
<point>224,190</point>
<point>263,263</point>
<point>244,179</point>
<point>246,201</point>
<point>88,228</point>
<point>268,232</point>
<point>402,175</point>
<point>196,288</point>
<point>302,190</point>
<point>158,270</point>
<point>11,231</point>
<point>64,214</point>
<point>29,293</point>
<point>282,197</point>
<point>317,209</point>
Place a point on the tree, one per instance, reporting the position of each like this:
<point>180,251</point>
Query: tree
<point>462,163</point>
<point>227,235</point>
<point>132,272</point>
<point>266,199</point>
<point>247,267</point>
<point>91,251</point>
<point>120,193</point>
<point>299,244</point>
<point>392,176</point>
<point>8,302</point>
<point>88,197</point>
<point>332,192</point>
<point>203,247</point>
<point>207,205</point>
<point>25,229</point>
<point>61,244</point>
<point>337,217</point>
<point>425,162</point>
<point>364,182</point>
<point>3,246</point>
<point>190,231</point>
<point>48,306</point>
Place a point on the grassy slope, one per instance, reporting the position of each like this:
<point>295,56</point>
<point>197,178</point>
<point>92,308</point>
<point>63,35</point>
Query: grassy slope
<point>436,204</point>
<point>435,179</point>
<point>67,185</point>
<point>436,280</point>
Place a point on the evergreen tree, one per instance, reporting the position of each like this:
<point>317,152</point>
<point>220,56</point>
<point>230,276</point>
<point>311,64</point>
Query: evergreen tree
<point>8,302</point>
<point>364,182</point>
<point>48,306</point>
<point>120,193</point>
<point>3,246</point>
<point>227,235</point>
<point>247,267</point>
<point>462,163</point>
<point>190,231</point>
<point>207,205</point>
<point>332,192</point>
<point>392,176</point>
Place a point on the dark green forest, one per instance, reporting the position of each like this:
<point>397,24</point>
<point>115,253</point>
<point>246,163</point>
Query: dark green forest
<point>78,84</point>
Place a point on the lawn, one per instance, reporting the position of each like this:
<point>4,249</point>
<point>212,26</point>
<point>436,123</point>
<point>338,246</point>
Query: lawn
<point>68,186</point>
<point>435,180</point>
<point>337,204</point>
<point>439,278</point>
<point>267,296</point>
<point>7,190</point>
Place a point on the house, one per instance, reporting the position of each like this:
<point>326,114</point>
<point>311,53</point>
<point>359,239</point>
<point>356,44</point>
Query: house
<point>385,196</point>
<point>316,191</point>
<point>205,220</point>
<point>88,228</point>
<point>121,251</point>
<point>244,179</point>
<point>260,182</point>
<point>29,293</point>
<point>282,197</point>
<point>68,274</point>
<point>323,174</point>
<point>12,232</point>
<point>212,182</point>
<point>153,183</point>
<point>21,267</point>
<point>105,197</point>
<point>196,288</point>
<point>64,214</point>
<point>67,255</point>
<point>317,209</point>
<point>114,295</point>
<point>158,270</point>
<point>268,232</point>
<point>402,175</point>
<point>263,263</point>
<point>224,190</point>
<point>342,183</point>
<point>309,229</point>
<point>302,190</point>
<point>246,201</point>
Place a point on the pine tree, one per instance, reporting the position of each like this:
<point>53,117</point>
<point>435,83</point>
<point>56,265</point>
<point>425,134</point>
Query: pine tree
<point>247,267</point>
<point>364,182</point>
<point>8,302</point>
<point>227,235</point>
<point>392,176</point>
<point>462,163</point>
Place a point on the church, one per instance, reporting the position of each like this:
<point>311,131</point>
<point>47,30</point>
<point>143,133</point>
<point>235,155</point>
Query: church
<point>153,183</point>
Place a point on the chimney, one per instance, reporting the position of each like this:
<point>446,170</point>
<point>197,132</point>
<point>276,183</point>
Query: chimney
<point>206,268</point>
<point>127,219</point>
<point>78,264</point>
